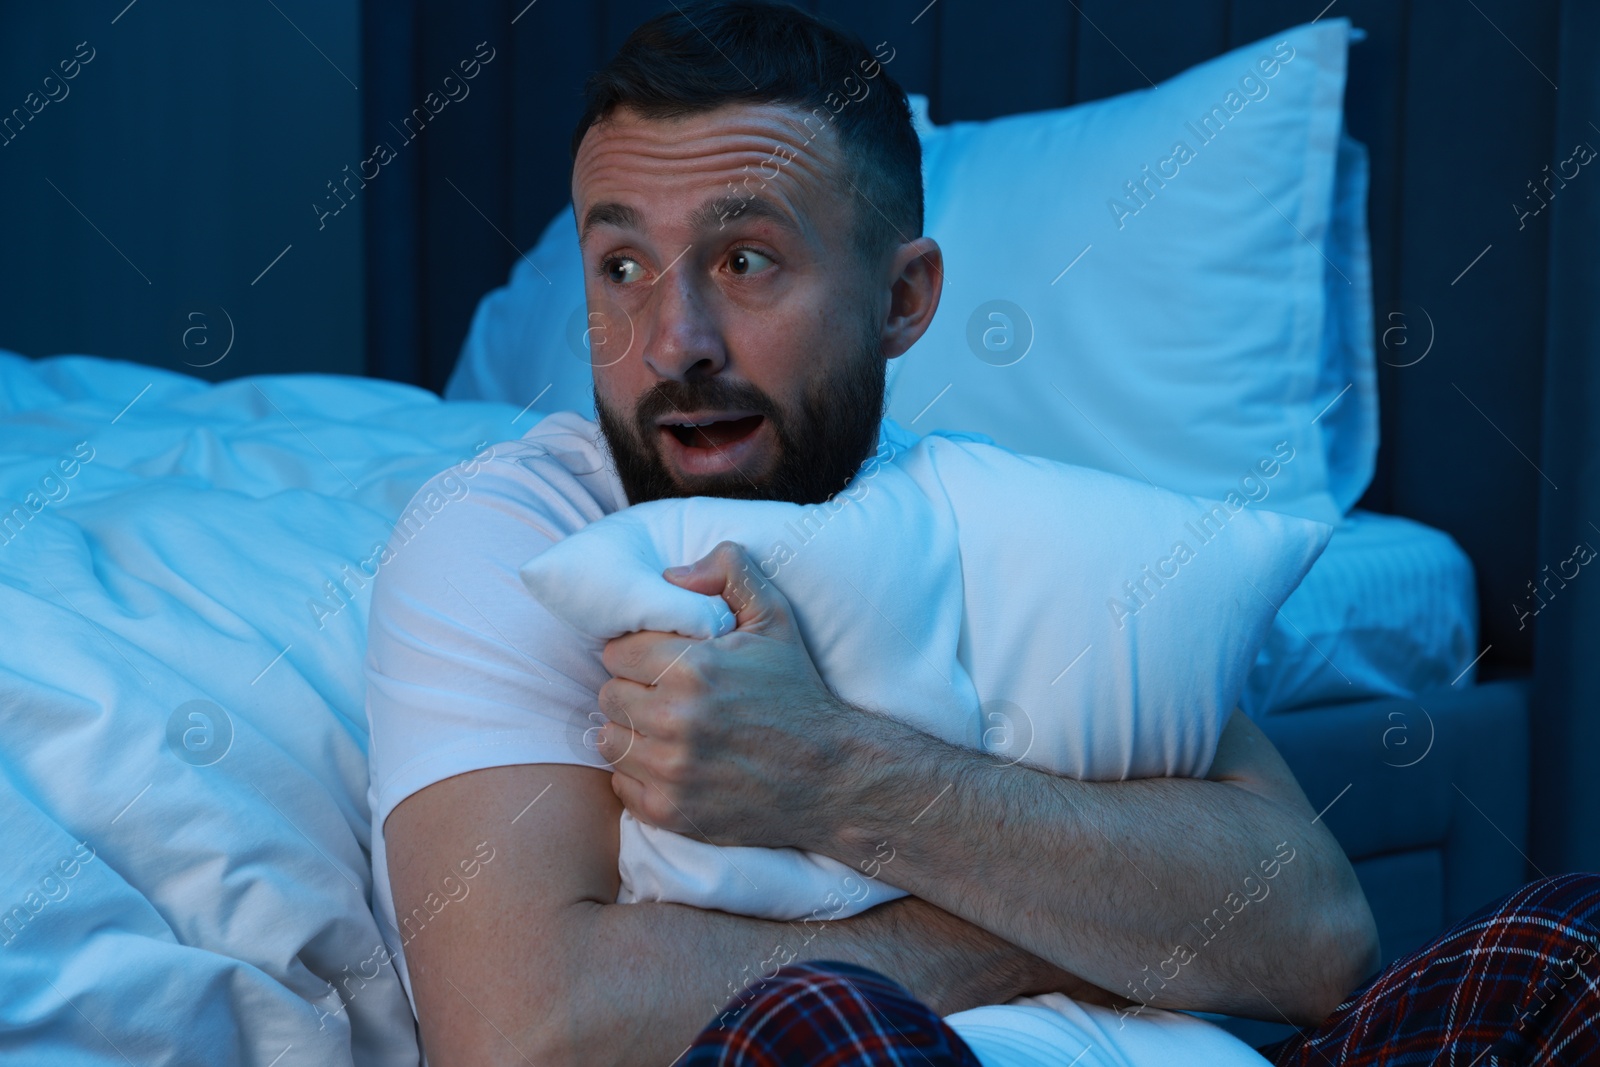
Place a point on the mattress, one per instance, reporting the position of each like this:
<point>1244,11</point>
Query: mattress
<point>1389,610</point>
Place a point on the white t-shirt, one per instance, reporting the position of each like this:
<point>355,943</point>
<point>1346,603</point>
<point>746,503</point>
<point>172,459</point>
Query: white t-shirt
<point>466,670</point>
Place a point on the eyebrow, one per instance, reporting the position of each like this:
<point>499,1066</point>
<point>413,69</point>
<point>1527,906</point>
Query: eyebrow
<point>610,213</point>
<point>711,215</point>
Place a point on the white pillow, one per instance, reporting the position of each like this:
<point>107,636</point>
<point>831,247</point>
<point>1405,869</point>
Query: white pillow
<point>1129,291</point>
<point>1230,312</point>
<point>1083,622</point>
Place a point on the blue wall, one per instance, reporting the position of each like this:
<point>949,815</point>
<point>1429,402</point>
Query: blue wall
<point>169,171</point>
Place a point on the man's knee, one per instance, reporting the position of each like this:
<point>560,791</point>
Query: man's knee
<point>825,1011</point>
<point>807,984</point>
<point>1575,898</point>
<point>1576,894</point>
<point>1566,904</point>
<point>1557,920</point>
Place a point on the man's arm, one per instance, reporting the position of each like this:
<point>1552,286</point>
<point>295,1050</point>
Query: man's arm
<point>536,964</point>
<point>1220,894</point>
<point>1162,883</point>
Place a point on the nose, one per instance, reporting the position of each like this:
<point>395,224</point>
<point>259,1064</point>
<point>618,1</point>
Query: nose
<point>684,340</point>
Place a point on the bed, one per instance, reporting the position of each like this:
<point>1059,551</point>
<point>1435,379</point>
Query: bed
<point>184,733</point>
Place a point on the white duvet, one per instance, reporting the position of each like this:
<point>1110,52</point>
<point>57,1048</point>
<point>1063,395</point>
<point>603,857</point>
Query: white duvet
<point>1086,623</point>
<point>182,732</point>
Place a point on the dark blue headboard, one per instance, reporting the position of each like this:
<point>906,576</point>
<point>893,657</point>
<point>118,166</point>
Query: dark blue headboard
<point>1456,101</point>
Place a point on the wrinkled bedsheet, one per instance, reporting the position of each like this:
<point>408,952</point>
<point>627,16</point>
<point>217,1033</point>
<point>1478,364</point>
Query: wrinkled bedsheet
<point>184,578</point>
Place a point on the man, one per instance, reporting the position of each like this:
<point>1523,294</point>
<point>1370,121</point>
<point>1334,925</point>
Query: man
<point>750,229</point>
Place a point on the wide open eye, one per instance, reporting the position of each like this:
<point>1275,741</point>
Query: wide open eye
<point>622,270</point>
<point>747,261</point>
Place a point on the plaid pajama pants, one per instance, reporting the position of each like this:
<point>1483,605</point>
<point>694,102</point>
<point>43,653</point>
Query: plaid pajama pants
<point>1517,983</point>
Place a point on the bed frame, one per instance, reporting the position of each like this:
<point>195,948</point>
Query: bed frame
<point>1457,104</point>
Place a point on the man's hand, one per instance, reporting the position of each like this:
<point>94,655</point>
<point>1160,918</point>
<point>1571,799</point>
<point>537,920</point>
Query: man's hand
<point>732,739</point>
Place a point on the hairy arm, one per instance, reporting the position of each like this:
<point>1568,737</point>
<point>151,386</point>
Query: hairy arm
<point>1223,894</point>
<point>537,964</point>
<point>1226,889</point>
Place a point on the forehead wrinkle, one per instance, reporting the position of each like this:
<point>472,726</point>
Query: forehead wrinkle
<point>712,157</point>
<point>738,146</point>
<point>680,138</point>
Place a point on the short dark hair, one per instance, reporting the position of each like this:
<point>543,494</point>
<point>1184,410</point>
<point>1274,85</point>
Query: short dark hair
<point>708,54</point>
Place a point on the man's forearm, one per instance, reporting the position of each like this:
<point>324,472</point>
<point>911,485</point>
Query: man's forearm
<point>1181,893</point>
<point>641,980</point>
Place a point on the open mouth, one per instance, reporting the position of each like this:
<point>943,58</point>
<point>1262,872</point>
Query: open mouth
<point>717,434</point>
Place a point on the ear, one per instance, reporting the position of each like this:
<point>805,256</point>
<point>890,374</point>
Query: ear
<point>916,275</point>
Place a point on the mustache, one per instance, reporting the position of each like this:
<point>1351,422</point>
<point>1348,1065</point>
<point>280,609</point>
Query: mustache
<point>675,397</point>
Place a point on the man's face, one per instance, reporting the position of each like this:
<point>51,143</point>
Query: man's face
<point>742,346</point>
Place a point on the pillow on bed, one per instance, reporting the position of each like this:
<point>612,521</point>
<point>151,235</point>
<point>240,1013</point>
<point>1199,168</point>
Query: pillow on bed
<point>1218,298</point>
<point>1164,298</point>
<point>1129,618</point>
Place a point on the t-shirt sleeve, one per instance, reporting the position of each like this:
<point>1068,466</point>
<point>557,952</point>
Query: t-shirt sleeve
<point>464,668</point>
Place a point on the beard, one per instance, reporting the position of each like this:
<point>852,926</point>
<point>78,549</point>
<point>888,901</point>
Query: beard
<point>821,446</point>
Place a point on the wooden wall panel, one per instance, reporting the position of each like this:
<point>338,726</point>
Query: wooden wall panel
<point>1126,46</point>
<point>996,60</point>
<point>1465,445</point>
<point>466,173</point>
<point>554,47</point>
